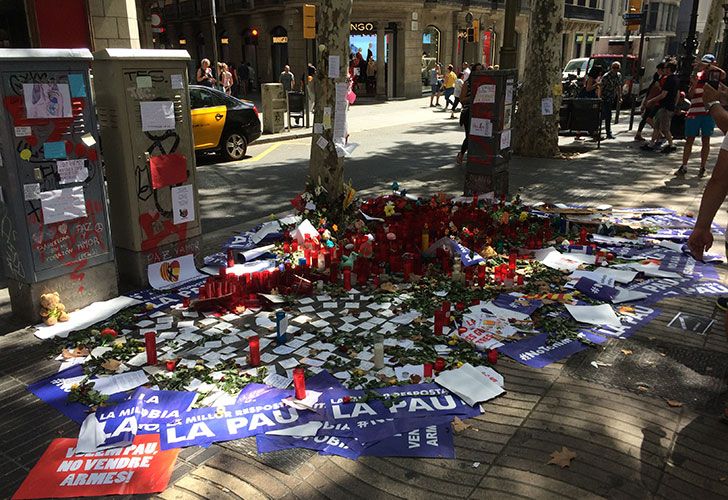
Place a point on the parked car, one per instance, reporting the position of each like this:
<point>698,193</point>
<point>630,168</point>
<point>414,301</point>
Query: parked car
<point>221,123</point>
<point>575,67</point>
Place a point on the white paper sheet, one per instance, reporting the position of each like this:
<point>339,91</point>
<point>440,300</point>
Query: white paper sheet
<point>306,430</point>
<point>550,257</point>
<point>172,272</point>
<point>600,315</point>
<point>481,127</point>
<point>183,204</point>
<point>177,81</point>
<point>547,106</point>
<point>485,94</point>
<point>471,385</point>
<point>31,192</point>
<point>334,67</point>
<point>71,171</point>
<point>47,100</point>
<point>83,318</point>
<point>157,115</point>
<point>63,204</point>
<point>122,382</point>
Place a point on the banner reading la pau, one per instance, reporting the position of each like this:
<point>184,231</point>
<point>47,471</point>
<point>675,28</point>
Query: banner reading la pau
<point>139,468</point>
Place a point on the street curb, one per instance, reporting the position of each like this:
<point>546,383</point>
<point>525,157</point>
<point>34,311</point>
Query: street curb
<point>283,137</point>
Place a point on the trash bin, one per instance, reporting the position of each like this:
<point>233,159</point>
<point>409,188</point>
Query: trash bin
<point>296,106</point>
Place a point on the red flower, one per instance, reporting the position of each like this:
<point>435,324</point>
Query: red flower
<point>298,203</point>
<point>110,332</point>
<point>347,399</point>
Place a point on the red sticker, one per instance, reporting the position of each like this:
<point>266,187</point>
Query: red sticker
<point>140,468</point>
<point>168,170</point>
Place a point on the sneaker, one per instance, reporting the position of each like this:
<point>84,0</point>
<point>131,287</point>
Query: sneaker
<point>659,143</point>
<point>681,171</point>
<point>722,303</point>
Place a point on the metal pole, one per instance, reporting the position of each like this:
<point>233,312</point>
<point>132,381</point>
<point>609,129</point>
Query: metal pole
<point>690,44</point>
<point>305,88</point>
<point>643,28</point>
<point>508,55</point>
<point>624,67</point>
<point>213,22</point>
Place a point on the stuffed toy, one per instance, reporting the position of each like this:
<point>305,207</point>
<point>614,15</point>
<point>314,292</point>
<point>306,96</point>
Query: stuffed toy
<point>51,309</point>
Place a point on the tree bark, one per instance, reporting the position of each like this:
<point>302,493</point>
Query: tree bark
<point>326,167</point>
<point>535,134</point>
<point>712,27</point>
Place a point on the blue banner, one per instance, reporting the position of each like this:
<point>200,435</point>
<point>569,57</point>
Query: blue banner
<point>534,352</point>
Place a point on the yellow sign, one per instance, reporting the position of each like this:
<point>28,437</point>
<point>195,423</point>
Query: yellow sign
<point>476,26</point>
<point>557,89</point>
<point>280,39</point>
<point>309,22</point>
<point>634,7</point>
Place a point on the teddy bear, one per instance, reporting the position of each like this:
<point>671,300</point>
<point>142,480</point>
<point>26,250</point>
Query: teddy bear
<point>52,309</point>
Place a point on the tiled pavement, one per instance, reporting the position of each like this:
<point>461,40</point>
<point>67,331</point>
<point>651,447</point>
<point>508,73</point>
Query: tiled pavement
<point>629,444</point>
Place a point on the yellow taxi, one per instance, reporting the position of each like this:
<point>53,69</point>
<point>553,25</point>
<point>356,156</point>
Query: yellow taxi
<point>222,123</point>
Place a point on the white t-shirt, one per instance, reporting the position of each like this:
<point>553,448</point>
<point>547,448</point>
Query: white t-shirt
<point>458,87</point>
<point>466,74</point>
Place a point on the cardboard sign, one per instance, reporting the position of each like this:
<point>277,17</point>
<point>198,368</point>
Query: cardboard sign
<point>167,170</point>
<point>140,468</point>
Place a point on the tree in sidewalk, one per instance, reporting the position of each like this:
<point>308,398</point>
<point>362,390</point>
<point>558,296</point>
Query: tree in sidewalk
<point>712,27</point>
<point>326,166</point>
<point>535,134</point>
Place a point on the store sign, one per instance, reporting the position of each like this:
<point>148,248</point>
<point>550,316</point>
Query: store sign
<point>280,39</point>
<point>462,33</point>
<point>362,26</point>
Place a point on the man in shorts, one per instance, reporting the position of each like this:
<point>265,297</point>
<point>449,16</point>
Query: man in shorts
<point>665,102</point>
<point>648,114</point>
<point>698,120</point>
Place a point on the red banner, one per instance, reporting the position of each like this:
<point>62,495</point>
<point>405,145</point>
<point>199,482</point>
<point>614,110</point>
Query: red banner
<point>139,468</point>
<point>168,170</point>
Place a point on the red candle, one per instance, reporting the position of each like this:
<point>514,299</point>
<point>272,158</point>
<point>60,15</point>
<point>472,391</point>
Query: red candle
<point>407,269</point>
<point>493,356</point>
<point>439,322</point>
<point>512,261</point>
<point>286,247</point>
<point>254,344</point>
<point>230,257</point>
<point>313,262</point>
<point>299,383</point>
<point>150,339</point>
<point>439,365</point>
<point>428,370</point>
<point>347,279</point>
<point>520,279</point>
<point>222,271</point>
<point>171,364</point>
<point>186,302</point>
<point>334,273</point>
<point>582,236</point>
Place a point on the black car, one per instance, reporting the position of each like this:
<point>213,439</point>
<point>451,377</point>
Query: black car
<point>222,123</point>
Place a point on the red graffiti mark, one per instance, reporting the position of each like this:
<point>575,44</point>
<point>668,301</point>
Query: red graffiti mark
<point>154,238</point>
<point>16,107</point>
<point>77,267</point>
<point>67,242</point>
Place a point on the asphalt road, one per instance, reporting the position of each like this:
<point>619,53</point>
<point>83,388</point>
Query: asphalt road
<point>273,174</point>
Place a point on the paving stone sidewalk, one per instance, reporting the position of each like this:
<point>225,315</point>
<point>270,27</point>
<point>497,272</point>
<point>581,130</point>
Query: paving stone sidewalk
<point>629,443</point>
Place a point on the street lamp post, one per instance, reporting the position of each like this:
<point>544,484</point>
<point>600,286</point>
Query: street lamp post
<point>724,45</point>
<point>690,45</point>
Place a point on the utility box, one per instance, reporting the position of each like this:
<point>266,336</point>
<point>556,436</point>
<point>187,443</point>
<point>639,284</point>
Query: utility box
<point>492,98</point>
<point>53,207</point>
<point>142,100</point>
<point>275,106</point>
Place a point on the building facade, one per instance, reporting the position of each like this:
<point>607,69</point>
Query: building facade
<point>410,36</point>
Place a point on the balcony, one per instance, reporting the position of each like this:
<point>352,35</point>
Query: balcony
<point>583,13</point>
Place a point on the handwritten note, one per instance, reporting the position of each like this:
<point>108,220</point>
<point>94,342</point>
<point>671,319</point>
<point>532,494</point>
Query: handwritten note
<point>547,106</point>
<point>481,127</point>
<point>71,171</point>
<point>63,204</point>
<point>505,139</point>
<point>485,94</point>
<point>183,204</point>
<point>334,67</point>
<point>157,115</point>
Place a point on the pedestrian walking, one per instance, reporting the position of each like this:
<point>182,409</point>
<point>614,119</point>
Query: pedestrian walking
<point>698,120</point>
<point>465,97</point>
<point>253,78</point>
<point>449,84</point>
<point>371,76</point>
<point>665,101</point>
<point>648,114</point>
<point>466,70</point>
<point>456,95</point>
<point>226,79</point>
<point>243,78</point>
<point>610,90</point>
<point>434,79</point>
<point>287,79</point>
<point>204,74</point>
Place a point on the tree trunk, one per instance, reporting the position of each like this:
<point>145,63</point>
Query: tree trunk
<point>537,134</point>
<point>326,167</point>
<point>712,27</point>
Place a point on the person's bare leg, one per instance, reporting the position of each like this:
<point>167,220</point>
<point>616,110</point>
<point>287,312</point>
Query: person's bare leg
<point>687,150</point>
<point>704,153</point>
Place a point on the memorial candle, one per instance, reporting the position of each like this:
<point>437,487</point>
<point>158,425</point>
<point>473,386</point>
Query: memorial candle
<point>281,327</point>
<point>378,359</point>
<point>150,339</point>
<point>230,257</point>
<point>512,261</point>
<point>582,236</point>
<point>439,365</point>
<point>299,382</point>
<point>254,357</point>
<point>439,322</point>
<point>347,279</point>
<point>428,370</point>
<point>170,364</point>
